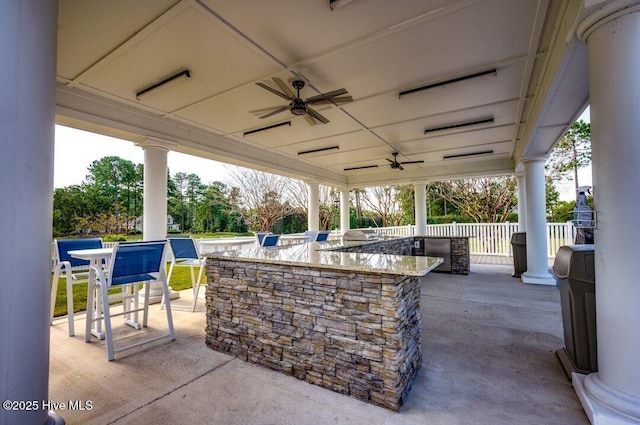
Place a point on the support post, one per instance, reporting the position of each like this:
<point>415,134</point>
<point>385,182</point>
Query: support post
<point>537,257</point>
<point>612,34</point>
<point>28,30</point>
<point>313,218</point>
<point>345,222</point>
<point>420,201</point>
<point>522,202</point>
<point>154,218</point>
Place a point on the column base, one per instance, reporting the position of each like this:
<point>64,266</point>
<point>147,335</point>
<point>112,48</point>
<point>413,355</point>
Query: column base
<point>55,419</point>
<point>155,293</point>
<point>607,406</point>
<point>538,279</point>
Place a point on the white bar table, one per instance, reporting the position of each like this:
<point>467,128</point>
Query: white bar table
<point>95,256</point>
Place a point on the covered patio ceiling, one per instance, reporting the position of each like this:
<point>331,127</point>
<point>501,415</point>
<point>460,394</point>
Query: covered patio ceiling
<point>502,81</point>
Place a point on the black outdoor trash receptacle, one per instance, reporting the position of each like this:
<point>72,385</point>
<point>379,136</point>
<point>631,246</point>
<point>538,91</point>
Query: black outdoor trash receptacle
<point>575,272</point>
<point>519,246</point>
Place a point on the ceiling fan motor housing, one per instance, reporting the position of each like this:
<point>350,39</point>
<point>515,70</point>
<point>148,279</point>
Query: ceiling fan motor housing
<point>298,107</point>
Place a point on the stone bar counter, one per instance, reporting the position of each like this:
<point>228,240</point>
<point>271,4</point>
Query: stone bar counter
<point>346,321</point>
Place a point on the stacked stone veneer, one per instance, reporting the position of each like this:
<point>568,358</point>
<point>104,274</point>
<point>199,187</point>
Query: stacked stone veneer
<point>355,333</point>
<point>460,259</point>
<point>401,246</point>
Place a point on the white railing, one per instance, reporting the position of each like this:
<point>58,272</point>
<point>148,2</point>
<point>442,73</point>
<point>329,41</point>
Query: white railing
<point>489,238</point>
<point>484,238</point>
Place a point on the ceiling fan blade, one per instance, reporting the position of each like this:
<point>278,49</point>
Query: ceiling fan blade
<point>265,110</point>
<point>285,88</point>
<point>274,91</point>
<point>327,95</point>
<point>412,162</point>
<point>309,119</point>
<point>277,111</point>
<point>400,167</point>
<point>389,160</point>
<point>336,100</point>
<point>316,115</point>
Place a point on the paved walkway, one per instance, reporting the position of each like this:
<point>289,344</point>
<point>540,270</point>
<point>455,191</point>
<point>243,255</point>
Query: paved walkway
<point>488,344</point>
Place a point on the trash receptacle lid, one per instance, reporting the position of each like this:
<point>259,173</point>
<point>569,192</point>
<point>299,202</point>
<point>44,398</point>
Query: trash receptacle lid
<point>576,262</point>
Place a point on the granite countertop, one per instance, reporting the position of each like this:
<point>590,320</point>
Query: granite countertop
<point>323,255</point>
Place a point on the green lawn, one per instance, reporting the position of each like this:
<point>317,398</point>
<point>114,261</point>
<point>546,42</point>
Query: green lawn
<point>180,279</point>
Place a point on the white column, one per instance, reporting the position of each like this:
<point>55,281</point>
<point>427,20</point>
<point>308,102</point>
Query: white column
<point>313,217</point>
<point>345,222</point>
<point>154,217</point>
<point>28,30</point>
<point>537,261</point>
<point>420,201</point>
<point>522,202</point>
<point>612,34</point>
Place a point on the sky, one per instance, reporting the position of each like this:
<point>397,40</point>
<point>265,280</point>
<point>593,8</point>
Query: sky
<point>75,150</point>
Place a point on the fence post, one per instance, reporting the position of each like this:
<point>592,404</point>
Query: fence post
<point>569,233</point>
<point>505,239</point>
<point>454,229</point>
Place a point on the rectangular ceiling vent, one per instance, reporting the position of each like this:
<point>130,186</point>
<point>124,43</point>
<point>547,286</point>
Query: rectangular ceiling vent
<point>269,127</point>
<point>459,125</point>
<point>330,148</point>
<point>481,74</point>
<point>467,155</point>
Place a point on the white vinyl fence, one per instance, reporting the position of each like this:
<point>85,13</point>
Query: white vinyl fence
<point>489,238</point>
<point>484,238</point>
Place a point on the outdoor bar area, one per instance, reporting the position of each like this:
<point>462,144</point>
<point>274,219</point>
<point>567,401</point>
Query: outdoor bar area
<point>324,312</point>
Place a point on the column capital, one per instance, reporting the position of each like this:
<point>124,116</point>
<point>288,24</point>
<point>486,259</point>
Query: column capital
<point>534,159</point>
<point>607,13</point>
<point>153,142</point>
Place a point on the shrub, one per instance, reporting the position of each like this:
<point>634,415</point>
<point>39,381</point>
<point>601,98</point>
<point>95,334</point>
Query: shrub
<point>114,238</point>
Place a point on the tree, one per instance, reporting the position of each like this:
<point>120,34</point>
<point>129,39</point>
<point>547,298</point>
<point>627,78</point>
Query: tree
<point>572,152</point>
<point>70,203</point>
<point>486,199</point>
<point>261,197</point>
<point>406,200</point>
<point>384,200</point>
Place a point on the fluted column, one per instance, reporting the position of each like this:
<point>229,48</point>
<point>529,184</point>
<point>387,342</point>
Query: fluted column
<point>612,34</point>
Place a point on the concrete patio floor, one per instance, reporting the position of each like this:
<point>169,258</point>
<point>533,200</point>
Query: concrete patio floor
<point>488,345</point>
